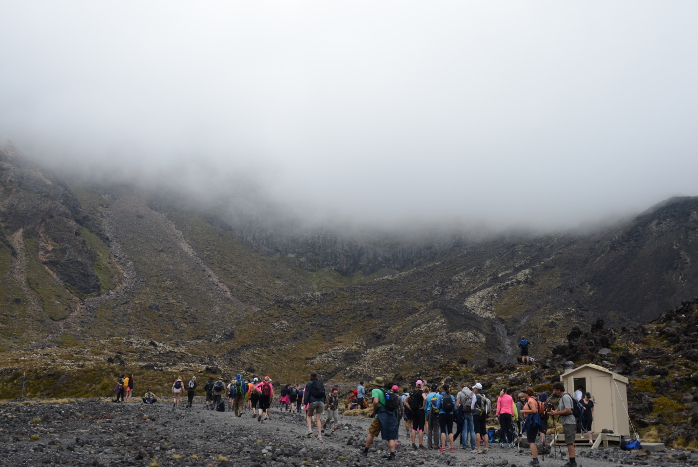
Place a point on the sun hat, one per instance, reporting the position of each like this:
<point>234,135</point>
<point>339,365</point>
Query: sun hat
<point>477,386</point>
<point>379,381</point>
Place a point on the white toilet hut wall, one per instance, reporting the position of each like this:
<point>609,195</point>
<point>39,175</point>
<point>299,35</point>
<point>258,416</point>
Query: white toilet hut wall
<point>610,394</point>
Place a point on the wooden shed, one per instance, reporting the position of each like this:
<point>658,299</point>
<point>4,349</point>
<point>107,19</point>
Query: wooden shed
<point>609,392</point>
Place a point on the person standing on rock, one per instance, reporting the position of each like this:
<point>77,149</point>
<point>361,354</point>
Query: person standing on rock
<point>314,398</point>
<point>567,419</point>
<point>266,396</point>
<point>239,391</point>
<point>208,388</point>
<point>177,390</point>
<point>191,387</point>
<point>523,345</point>
<point>384,421</point>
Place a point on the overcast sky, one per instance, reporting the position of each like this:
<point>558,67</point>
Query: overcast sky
<point>542,113</point>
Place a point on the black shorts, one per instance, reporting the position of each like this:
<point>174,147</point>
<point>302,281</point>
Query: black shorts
<point>531,435</point>
<point>446,423</point>
<point>480,423</point>
<point>264,402</point>
<point>524,352</point>
<point>408,414</point>
<point>418,420</point>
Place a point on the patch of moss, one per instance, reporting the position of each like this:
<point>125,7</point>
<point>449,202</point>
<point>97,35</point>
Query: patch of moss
<point>104,266</point>
<point>55,299</point>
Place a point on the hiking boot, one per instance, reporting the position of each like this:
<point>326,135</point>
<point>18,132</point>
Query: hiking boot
<point>414,446</point>
<point>259,418</point>
<point>364,452</point>
<point>534,462</point>
<point>570,464</point>
<point>421,446</point>
<point>390,457</point>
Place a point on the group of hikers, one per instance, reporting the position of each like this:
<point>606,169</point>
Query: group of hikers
<point>429,411</point>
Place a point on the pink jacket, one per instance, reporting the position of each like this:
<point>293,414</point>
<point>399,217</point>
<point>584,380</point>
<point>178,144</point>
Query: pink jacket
<point>271,387</point>
<point>505,404</point>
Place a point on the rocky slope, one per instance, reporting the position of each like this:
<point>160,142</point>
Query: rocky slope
<point>103,279</point>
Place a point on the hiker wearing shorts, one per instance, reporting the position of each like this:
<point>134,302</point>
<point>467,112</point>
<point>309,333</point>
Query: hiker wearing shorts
<point>254,397</point>
<point>266,395</point>
<point>415,403</point>
<point>208,387</point>
<point>531,407</point>
<point>384,422</point>
<point>480,421</point>
<point>314,398</point>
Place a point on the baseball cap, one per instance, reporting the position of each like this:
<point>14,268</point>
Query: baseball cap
<point>419,382</point>
<point>313,373</point>
<point>478,386</point>
<point>396,388</point>
<point>255,379</point>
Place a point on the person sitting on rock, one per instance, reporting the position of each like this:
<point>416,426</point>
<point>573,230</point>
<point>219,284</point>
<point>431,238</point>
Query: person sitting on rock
<point>149,397</point>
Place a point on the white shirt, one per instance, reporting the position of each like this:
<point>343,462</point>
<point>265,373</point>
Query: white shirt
<point>578,395</point>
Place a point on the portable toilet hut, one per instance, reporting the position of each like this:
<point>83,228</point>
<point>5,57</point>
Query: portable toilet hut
<point>609,392</point>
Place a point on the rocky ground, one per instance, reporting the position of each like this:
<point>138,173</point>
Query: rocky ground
<point>100,433</point>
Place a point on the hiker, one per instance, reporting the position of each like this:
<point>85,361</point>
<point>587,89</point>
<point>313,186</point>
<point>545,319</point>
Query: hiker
<point>567,419</point>
<point>266,396</point>
<point>292,397</point>
<point>177,390</point>
<point>285,399</point>
<point>432,417</point>
<point>579,393</point>
<point>400,410</point>
<point>218,389</point>
<point>124,395</point>
<point>254,396</point>
<point>447,406</point>
<point>415,402</point>
<point>407,413</point>
<point>587,408</point>
<point>523,345</point>
<point>384,421</point>
<point>360,393</point>
<point>464,399</point>
<point>119,389</point>
<point>250,389</point>
<point>519,407</point>
<point>505,414</point>
<point>299,400</point>
<point>239,390</point>
<point>479,406</point>
<point>149,397</point>
<point>529,409</point>
<point>129,387</point>
<point>543,399</point>
<point>191,387</point>
<point>208,387</point>
<point>314,398</point>
<point>332,409</point>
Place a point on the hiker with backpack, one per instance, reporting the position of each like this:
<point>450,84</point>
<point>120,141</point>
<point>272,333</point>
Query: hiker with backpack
<point>177,390</point>
<point>566,411</point>
<point>218,390</point>
<point>292,397</point>
<point>299,400</point>
<point>481,407</point>
<point>208,387</point>
<point>129,387</point>
<point>191,387</point>
<point>464,399</point>
<point>266,396</point>
<point>406,412</point>
<point>447,407</point>
<point>415,403</point>
<point>238,391</point>
<point>254,396</point>
<point>530,411</point>
<point>314,398</point>
<point>149,397</point>
<point>505,414</point>
<point>432,417</point>
<point>285,399</point>
<point>383,413</point>
<point>543,401</point>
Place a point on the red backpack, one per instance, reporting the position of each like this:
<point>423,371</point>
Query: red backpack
<point>266,389</point>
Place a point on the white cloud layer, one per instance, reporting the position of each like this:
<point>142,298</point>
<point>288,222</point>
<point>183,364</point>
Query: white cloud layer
<point>539,113</point>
